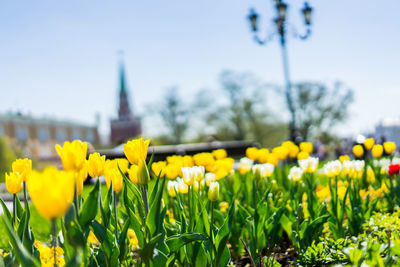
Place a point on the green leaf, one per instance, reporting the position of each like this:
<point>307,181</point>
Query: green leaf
<point>155,219</point>
<point>73,229</point>
<point>204,214</point>
<point>286,225</point>
<point>22,255</point>
<point>107,207</point>
<point>108,243</point>
<point>5,210</point>
<point>90,207</point>
<point>223,235</point>
<point>175,242</point>
<point>20,209</point>
<point>123,240</point>
<point>135,224</point>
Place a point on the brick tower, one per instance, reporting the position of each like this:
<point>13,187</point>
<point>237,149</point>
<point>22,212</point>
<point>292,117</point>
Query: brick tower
<point>127,125</point>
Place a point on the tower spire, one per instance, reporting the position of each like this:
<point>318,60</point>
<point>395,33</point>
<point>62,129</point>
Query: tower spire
<point>124,111</point>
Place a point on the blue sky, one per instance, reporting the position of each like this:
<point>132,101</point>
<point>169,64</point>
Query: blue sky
<point>59,58</point>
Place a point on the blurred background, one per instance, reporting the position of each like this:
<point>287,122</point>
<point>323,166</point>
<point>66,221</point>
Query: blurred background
<point>193,72</point>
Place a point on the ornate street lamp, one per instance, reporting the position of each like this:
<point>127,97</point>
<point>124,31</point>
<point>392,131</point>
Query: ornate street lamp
<point>282,29</point>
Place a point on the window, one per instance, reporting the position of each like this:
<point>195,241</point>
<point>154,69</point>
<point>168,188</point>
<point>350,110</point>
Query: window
<point>44,135</point>
<point>61,135</point>
<point>76,134</point>
<point>90,136</point>
<point>22,133</point>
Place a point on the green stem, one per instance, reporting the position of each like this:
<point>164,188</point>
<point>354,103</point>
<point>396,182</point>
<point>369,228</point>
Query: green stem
<point>145,200</point>
<point>211,231</point>
<point>189,206</point>
<point>54,240</point>
<point>25,196</point>
<point>76,202</point>
<point>116,215</point>
<point>14,222</point>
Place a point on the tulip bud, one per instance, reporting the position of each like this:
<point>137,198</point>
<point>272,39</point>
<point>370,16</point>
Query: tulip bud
<point>252,153</point>
<point>369,143</point>
<point>358,151</point>
<point>143,173</point>
<point>133,173</point>
<point>389,147</point>
<point>172,188</point>
<point>13,183</point>
<point>213,191</point>
<point>188,175</point>
<point>96,165</point>
<point>136,150</point>
<point>377,151</point>
<point>306,147</point>
<point>210,177</point>
<point>72,154</point>
<point>22,167</point>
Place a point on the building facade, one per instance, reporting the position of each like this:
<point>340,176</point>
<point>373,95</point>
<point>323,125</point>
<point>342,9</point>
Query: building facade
<point>36,137</point>
<point>126,126</point>
<point>388,129</point>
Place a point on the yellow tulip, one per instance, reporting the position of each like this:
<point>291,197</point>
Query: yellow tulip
<point>306,147</point>
<point>369,143</point>
<point>73,155</point>
<point>389,147</point>
<point>136,150</point>
<point>173,188</point>
<point>262,155</point>
<point>13,182</point>
<point>213,191</point>
<point>281,152</point>
<point>133,174</point>
<point>133,241</point>
<point>272,159</point>
<point>172,171</point>
<point>96,164</point>
<point>358,151</point>
<point>223,206</point>
<point>187,161</point>
<point>51,192</point>
<point>158,168</point>
<point>377,151</point>
<point>219,153</point>
<point>252,153</point>
<point>343,158</point>
<point>22,167</point>
<point>293,151</point>
<point>188,175</point>
<point>302,155</point>
<point>114,176</point>
<point>122,163</point>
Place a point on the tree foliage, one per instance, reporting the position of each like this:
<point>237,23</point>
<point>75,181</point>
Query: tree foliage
<point>319,107</point>
<point>244,114</point>
<point>174,115</point>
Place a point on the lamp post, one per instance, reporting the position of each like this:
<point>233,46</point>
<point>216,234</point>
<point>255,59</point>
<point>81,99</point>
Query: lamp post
<point>282,29</point>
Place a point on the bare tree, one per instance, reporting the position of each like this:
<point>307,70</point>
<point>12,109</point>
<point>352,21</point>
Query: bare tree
<point>174,115</point>
<point>319,108</point>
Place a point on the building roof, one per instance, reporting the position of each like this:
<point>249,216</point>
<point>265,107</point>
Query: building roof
<point>40,120</point>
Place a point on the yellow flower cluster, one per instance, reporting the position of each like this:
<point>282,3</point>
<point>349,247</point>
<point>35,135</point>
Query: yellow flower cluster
<point>47,255</point>
<point>21,169</point>
<point>287,149</point>
<point>133,241</point>
<point>215,162</point>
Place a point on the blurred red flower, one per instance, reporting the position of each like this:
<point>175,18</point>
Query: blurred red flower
<point>394,169</point>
